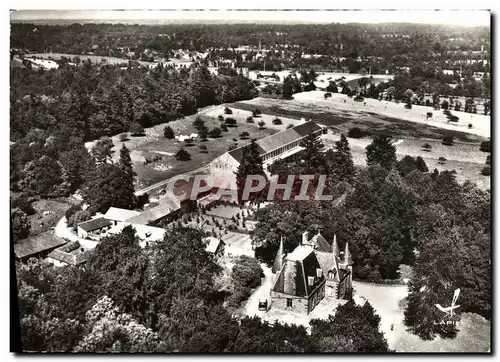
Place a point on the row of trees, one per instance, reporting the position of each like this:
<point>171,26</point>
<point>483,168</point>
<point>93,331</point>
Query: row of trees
<point>163,299</point>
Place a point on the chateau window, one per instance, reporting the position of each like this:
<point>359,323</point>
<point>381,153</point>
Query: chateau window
<point>289,303</point>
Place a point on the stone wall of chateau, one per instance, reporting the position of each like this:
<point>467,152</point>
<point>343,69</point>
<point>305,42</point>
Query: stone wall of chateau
<point>279,301</point>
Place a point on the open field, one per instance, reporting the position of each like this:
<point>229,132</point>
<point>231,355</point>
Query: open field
<point>465,158</point>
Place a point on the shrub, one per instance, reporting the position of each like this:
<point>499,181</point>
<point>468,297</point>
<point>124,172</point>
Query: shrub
<point>470,125</point>
<point>224,127</point>
<point>445,104</point>
<point>447,140</point>
<point>72,210</point>
<point>441,160</point>
<point>136,129</point>
<point>488,159</point>
<point>203,149</point>
<point>256,112</point>
<point>485,146</point>
<point>215,132</point>
<point>123,137</point>
<point>189,141</point>
<point>328,95</point>
<point>486,171</point>
<point>277,121</point>
<point>239,295</point>
<point>421,165</point>
<point>168,132</point>
<point>250,119</point>
<point>230,122</point>
<point>429,114</point>
<point>198,123</point>
<point>244,135</point>
<point>220,118</point>
<point>261,124</point>
<point>182,155</point>
<point>356,132</point>
<point>228,111</point>
<point>78,217</point>
<point>359,98</point>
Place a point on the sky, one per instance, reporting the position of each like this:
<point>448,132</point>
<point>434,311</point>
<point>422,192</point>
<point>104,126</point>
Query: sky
<point>448,17</point>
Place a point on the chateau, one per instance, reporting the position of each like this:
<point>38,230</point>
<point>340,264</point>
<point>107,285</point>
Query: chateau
<point>312,271</point>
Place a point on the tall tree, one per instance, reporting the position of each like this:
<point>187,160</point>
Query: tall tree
<point>102,150</point>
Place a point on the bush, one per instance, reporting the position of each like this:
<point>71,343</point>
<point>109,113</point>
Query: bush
<point>182,155</point>
<point>220,118</point>
<point>256,112</point>
<point>228,111</point>
<point>359,98</point>
<point>470,125</point>
<point>486,171</point>
<point>485,146</point>
<point>244,135</point>
<point>277,121</point>
<point>239,295</point>
<point>328,95</point>
<point>441,160</point>
<point>250,119</point>
<point>356,132</point>
<point>189,141</point>
<point>247,272</point>
<point>136,129</point>
<point>123,137</point>
<point>488,159</point>
<point>429,114</point>
<point>261,124</point>
<point>230,122</point>
<point>447,140</point>
<point>203,149</point>
<point>215,132</point>
<point>78,217</point>
<point>224,127</point>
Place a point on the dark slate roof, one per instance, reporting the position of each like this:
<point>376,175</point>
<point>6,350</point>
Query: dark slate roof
<point>94,224</point>
<point>37,244</point>
<point>279,139</point>
<point>306,263</point>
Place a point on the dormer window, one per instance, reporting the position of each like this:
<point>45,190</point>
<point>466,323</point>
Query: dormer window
<point>319,272</point>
